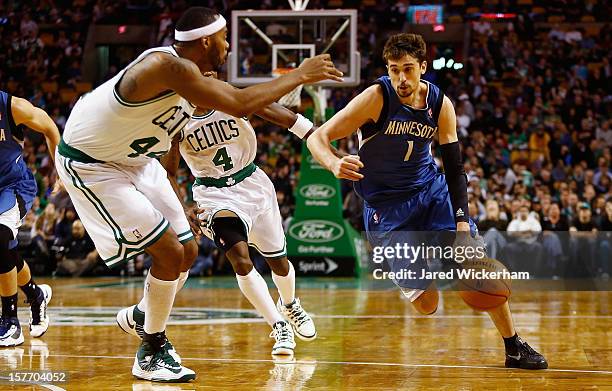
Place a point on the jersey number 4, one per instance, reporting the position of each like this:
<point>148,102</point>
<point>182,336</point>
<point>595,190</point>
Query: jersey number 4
<point>142,146</point>
<point>222,159</point>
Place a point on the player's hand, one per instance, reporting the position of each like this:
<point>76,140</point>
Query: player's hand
<point>470,248</point>
<point>194,222</point>
<point>212,74</point>
<point>348,167</point>
<point>319,68</point>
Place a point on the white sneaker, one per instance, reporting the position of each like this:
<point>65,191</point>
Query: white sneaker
<point>300,320</point>
<point>10,332</point>
<point>131,321</point>
<point>282,333</point>
<point>39,321</point>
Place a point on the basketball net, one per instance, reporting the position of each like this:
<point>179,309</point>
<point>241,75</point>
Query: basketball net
<point>294,97</point>
<point>317,93</point>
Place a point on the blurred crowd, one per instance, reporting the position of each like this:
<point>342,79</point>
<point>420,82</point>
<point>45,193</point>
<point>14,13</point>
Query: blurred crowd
<point>533,104</point>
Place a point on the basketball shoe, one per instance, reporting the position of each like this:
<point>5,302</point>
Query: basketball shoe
<point>298,318</point>
<point>10,332</point>
<point>39,321</point>
<point>159,365</point>
<point>282,333</point>
<point>131,320</point>
<point>524,357</point>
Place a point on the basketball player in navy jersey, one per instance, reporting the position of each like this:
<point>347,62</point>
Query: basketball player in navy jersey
<point>397,177</point>
<point>17,192</point>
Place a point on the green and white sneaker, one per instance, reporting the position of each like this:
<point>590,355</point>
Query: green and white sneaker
<point>131,320</point>
<point>159,366</point>
<point>298,318</point>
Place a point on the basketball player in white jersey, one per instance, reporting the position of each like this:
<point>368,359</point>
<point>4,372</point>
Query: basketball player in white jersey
<point>239,209</point>
<point>107,160</point>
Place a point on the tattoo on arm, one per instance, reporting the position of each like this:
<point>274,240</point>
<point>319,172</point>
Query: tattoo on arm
<point>179,67</point>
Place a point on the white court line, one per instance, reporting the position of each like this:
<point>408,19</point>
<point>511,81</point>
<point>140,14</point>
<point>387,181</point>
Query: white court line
<point>51,387</point>
<point>514,315</point>
<point>384,364</point>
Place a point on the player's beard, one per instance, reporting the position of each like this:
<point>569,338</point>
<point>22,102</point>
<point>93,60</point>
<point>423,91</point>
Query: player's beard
<point>404,93</point>
<point>216,59</point>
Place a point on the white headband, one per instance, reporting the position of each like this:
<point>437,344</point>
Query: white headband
<point>205,31</point>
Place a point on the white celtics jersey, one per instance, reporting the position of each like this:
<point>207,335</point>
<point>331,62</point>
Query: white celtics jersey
<point>218,144</point>
<point>107,128</point>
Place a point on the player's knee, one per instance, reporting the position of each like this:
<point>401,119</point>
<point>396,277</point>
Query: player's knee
<point>240,259</point>
<point>7,256</point>
<point>242,265</point>
<point>6,236</point>
<point>279,266</point>
<point>167,256</point>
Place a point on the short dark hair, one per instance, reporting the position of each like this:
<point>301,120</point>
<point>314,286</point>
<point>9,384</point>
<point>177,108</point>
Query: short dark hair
<point>196,17</point>
<point>399,45</point>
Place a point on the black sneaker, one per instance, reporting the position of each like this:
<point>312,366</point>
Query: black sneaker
<point>525,357</point>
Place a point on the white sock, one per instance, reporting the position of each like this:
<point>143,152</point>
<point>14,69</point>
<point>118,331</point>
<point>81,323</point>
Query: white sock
<point>181,281</point>
<point>285,285</point>
<point>255,289</point>
<point>158,298</point>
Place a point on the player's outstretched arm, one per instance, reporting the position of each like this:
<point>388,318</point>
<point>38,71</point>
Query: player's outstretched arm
<point>25,113</point>
<point>453,164</point>
<point>278,114</point>
<point>364,108</point>
<point>184,77</point>
<point>296,123</point>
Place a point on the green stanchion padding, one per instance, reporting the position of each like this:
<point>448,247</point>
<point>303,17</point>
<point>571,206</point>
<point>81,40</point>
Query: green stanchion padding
<point>319,240</point>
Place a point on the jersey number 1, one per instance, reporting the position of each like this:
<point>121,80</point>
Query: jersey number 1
<point>409,151</point>
<point>222,159</point>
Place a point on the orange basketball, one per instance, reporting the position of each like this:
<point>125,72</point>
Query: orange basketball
<point>482,283</point>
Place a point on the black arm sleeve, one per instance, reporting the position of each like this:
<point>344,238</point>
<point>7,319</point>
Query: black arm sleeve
<point>456,180</point>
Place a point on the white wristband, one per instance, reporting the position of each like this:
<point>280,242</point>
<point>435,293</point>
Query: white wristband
<point>301,126</point>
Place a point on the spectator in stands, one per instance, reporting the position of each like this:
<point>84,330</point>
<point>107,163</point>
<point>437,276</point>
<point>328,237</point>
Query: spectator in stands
<point>77,255</point>
<point>583,239</point>
<point>205,261</point>
<point>64,225</point>
<point>523,230</point>
<point>44,230</point>
<point>491,227</point>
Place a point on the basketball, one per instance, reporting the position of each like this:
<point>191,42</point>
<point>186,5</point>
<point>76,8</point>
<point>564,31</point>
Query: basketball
<point>483,294</point>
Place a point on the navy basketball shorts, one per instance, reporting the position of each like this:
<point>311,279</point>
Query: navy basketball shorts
<point>424,220</point>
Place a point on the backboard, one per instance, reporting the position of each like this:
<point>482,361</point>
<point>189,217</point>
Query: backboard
<point>262,41</point>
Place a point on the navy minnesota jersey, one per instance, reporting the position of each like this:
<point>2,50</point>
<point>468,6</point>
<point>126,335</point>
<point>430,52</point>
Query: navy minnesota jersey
<point>14,173</point>
<point>395,150</point>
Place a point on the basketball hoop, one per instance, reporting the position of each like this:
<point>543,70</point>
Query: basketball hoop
<point>294,97</point>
